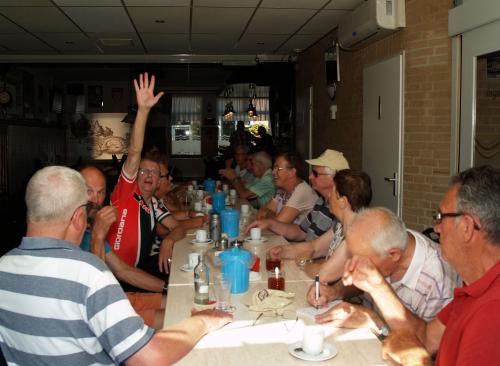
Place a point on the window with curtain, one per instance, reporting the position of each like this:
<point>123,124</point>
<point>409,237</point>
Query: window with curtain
<point>186,124</point>
<point>240,97</point>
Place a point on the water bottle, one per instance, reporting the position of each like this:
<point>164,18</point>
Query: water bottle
<point>201,281</point>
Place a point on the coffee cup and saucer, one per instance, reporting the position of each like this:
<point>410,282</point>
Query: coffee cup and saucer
<point>255,236</point>
<point>193,259</point>
<point>201,238</point>
<point>313,346</point>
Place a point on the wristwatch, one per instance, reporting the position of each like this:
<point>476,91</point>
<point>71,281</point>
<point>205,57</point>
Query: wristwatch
<point>383,332</point>
<point>165,288</point>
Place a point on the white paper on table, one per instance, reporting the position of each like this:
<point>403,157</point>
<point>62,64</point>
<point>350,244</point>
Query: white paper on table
<point>310,312</point>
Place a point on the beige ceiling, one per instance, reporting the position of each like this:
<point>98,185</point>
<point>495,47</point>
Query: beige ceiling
<point>133,30</point>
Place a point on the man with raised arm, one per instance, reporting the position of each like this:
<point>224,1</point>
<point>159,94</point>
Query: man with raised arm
<point>131,236</point>
<point>62,306</point>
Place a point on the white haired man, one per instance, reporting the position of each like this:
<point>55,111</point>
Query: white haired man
<point>320,219</point>
<point>261,190</point>
<point>61,305</point>
<point>411,263</point>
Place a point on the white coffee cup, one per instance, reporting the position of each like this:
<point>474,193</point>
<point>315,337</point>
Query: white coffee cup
<point>313,340</point>
<point>245,209</point>
<point>255,233</point>
<point>190,188</point>
<point>201,235</point>
<point>198,206</point>
<point>192,259</point>
<point>232,192</point>
<point>199,194</point>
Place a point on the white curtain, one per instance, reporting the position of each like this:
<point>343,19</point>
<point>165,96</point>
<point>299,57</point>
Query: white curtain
<point>186,109</point>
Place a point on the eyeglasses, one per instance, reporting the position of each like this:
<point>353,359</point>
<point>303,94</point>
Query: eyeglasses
<point>315,173</point>
<point>165,175</point>
<point>278,168</point>
<point>439,216</point>
<point>146,172</point>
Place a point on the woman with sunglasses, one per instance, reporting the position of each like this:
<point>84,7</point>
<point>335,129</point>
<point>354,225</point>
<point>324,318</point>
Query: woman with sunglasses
<point>294,198</point>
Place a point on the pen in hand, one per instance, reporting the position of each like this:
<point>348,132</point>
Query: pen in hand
<point>316,286</point>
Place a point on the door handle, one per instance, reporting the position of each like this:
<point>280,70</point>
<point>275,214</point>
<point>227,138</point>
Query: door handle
<point>394,180</point>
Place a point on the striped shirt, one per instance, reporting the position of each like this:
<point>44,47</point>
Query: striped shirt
<point>429,282</point>
<point>319,220</point>
<point>62,306</point>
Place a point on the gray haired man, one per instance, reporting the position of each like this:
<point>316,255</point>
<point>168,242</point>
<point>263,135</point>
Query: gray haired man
<point>61,305</point>
<point>410,262</point>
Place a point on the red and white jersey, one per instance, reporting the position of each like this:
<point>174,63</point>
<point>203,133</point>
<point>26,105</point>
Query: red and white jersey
<point>132,235</point>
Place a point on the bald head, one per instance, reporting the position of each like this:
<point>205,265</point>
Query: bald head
<point>96,184</point>
<point>380,228</point>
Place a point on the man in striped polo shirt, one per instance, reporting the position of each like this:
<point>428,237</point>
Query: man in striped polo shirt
<point>61,305</point>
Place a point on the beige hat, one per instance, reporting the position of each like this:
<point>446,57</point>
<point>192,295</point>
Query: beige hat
<point>332,159</point>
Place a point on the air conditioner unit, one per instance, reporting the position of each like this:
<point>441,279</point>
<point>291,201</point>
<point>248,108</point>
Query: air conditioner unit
<point>372,20</point>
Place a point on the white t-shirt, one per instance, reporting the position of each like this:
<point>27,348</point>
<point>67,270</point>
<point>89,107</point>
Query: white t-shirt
<point>302,198</point>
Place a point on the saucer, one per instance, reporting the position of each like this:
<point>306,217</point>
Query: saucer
<point>186,268</point>
<point>259,241</point>
<point>329,351</point>
<point>208,241</point>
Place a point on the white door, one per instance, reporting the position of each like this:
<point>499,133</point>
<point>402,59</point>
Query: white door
<point>382,130</point>
<point>479,118</point>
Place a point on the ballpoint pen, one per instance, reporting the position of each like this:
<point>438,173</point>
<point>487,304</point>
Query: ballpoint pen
<point>316,286</point>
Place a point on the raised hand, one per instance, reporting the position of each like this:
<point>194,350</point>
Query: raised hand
<point>144,91</point>
<point>362,273</point>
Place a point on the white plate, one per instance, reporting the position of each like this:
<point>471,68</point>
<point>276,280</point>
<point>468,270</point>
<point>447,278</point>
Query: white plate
<point>259,241</point>
<point>186,268</point>
<point>329,351</point>
<point>208,241</point>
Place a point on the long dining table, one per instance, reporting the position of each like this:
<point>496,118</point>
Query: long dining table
<point>256,338</point>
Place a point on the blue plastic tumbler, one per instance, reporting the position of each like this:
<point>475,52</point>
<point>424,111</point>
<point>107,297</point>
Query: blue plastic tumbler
<point>230,222</point>
<point>209,185</point>
<point>218,201</point>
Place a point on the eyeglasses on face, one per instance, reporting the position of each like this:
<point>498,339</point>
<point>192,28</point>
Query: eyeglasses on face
<point>166,175</point>
<point>315,173</point>
<point>279,168</point>
<point>439,216</point>
<point>146,172</point>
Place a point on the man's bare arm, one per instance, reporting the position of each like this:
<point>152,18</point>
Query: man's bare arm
<point>132,275</point>
<point>144,90</point>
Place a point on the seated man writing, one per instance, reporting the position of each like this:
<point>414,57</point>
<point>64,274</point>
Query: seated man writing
<point>410,262</point>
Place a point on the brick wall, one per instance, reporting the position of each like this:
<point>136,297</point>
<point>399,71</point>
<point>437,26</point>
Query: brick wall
<point>427,106</point>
